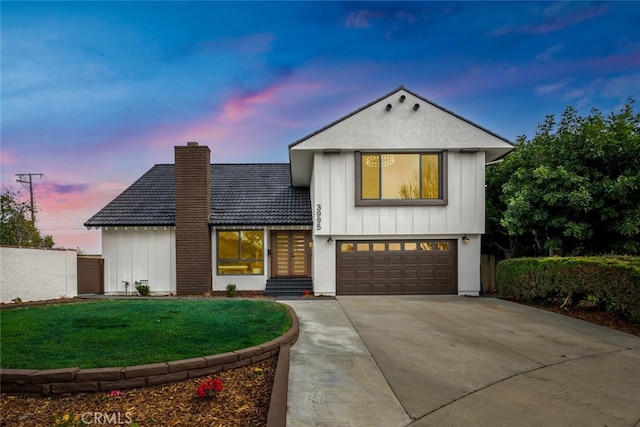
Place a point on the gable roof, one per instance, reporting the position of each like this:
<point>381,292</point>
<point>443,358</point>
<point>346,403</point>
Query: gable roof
<point>391,123</point>
<point>241,194</point>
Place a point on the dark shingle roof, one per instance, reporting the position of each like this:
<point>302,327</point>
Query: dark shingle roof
<point>257,194</point>
<point>241,194</point>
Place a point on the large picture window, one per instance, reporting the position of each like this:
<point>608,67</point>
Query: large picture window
<point>401,179</point>
<point>241,252</point>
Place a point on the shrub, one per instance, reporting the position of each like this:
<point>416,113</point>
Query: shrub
<point>231,290</point>
<point>143,290</point>
<point>614,282</point>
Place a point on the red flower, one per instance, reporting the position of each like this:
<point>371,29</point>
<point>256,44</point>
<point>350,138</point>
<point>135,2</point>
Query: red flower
<point>209,388</point>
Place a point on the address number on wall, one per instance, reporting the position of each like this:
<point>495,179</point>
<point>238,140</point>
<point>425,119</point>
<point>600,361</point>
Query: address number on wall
<point>318,217</point>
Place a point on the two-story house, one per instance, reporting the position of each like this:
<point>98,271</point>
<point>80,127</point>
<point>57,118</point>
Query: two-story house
<point>389,199</point>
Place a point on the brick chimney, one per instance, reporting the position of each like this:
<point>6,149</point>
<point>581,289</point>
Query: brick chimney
<point>193,209</point>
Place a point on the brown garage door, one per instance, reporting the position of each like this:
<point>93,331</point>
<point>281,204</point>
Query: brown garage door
<point>396,267</point>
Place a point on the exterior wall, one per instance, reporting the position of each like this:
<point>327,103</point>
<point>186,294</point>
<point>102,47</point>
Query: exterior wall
<point>37,274</point>
<point>333,197</point>
<point>134,253</point>
<point>469,266</point>
<point>243,282</point>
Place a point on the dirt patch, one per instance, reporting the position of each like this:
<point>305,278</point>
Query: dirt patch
<point>244,401</point>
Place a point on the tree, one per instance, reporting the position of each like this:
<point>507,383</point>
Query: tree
<point>573,189</point>
<point>16,228</point>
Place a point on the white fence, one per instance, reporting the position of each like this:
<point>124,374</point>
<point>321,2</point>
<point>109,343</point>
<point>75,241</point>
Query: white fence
<point>37,274</point>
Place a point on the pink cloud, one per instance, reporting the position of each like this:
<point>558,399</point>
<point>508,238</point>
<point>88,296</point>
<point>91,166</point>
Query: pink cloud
<point>62,209</point>
<point>241,107</point>
<point>234,128</point>
<point>7,158</point>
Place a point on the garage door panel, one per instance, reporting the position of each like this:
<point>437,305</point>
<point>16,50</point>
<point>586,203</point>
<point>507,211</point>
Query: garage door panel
<point>443,275</point>
<point>394,274</point>
<point>392,288</point>
<point>410,260</point>
<point>362,262</point>
<point>397,267</point>
<point>426,259</point>
<point>443,260</point>
<point>411,274</point>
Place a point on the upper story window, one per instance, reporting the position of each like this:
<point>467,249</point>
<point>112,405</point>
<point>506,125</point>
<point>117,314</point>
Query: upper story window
<point>401,179</point>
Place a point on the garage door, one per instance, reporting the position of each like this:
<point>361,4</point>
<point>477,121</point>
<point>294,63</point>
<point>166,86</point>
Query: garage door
<point>396,267</point>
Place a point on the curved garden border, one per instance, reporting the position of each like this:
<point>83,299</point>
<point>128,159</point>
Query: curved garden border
<point>76,380</point>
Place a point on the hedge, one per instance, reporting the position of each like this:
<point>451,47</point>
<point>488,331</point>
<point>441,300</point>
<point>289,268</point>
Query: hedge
<point>614,282</point>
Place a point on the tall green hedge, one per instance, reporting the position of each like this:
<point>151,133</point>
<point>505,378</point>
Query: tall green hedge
<point>613,281</point>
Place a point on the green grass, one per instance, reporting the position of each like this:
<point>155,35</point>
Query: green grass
<point>126,333</point>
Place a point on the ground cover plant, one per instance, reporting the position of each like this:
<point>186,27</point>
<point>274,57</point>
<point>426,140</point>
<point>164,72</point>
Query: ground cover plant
<point>116,333</point>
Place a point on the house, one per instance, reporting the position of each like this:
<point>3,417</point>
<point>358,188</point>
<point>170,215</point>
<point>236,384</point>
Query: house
<point>389,199</point>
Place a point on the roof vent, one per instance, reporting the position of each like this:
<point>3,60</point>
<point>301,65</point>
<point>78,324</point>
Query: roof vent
<point>192,144</point>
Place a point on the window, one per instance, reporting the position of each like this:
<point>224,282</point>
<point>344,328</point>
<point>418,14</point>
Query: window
<point>346,247</point>
<point>401,179</point>
<point>241,252</point>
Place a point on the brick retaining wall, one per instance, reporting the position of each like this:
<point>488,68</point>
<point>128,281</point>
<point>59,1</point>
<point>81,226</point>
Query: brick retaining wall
<point>76,380</point>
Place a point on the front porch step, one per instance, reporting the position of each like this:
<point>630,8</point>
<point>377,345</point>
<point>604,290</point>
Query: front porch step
<point>288,287</point>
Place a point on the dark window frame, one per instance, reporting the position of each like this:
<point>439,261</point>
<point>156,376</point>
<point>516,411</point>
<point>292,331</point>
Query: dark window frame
<point>444,192</point>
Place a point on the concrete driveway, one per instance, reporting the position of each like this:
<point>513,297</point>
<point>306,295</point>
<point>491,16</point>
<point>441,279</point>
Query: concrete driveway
<point>455,361</point>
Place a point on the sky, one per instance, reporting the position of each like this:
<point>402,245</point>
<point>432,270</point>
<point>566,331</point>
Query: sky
<point>93,94</point>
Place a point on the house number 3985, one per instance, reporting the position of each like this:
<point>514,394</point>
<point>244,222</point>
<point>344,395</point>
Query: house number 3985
<point>318,217</point>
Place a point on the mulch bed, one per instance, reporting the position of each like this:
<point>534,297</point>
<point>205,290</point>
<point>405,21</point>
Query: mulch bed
<point>590,313</point>
<point>244,401</point>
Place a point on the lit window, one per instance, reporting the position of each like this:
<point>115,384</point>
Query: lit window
<point>442,246</point>
<point>410,246</point>
<point>241,252</point>
<point>362,247</point>
<point>395,246</point>
<point>346,247</point>
<point>401,179</point>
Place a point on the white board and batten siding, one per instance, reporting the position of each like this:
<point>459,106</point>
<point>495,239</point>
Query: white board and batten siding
<point>326,161</point>
<point>136,253</point>
<point>334,198</point>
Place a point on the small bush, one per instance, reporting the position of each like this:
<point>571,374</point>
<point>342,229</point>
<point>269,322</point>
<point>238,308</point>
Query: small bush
<point>614,282</point>
<point>143,290</point>
<point>231,290</point>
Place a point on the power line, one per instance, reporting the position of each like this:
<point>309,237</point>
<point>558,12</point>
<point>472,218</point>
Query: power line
<point>22,179</point>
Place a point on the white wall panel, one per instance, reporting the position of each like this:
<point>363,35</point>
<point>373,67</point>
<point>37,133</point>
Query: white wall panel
<point>334,189</point>
<point>135,253</point>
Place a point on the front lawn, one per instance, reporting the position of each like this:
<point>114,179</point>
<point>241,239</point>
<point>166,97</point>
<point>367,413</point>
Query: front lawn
<point>126,333</point>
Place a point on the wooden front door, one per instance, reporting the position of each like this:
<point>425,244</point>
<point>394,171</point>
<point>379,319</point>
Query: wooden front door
<point>291,253</point>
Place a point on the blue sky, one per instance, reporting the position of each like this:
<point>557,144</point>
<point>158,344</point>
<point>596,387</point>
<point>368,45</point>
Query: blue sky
<point>95,93</point>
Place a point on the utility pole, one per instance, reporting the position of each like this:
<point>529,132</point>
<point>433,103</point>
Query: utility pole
<point>27,178</point>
